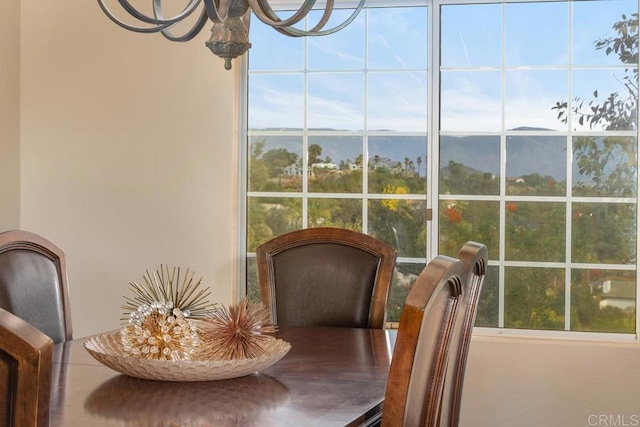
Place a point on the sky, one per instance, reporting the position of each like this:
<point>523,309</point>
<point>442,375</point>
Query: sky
<point>502,68</point>
<point>392,44</point>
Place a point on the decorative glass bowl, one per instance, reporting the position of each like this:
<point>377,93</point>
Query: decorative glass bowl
<point>107,349</point>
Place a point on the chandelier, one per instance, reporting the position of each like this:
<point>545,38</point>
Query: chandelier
<point>230,31</point>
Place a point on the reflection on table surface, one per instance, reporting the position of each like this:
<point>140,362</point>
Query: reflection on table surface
<point>331,377</point>
<point>132,400</point>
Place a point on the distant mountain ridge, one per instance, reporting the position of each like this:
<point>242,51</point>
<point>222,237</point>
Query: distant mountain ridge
<point>528,153</point>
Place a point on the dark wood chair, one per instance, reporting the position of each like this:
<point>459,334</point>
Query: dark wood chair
<point>326,277</point>
<point>26,358</point>
<point>33,283</point>
<point>417,374</point>
<point>474,255</point>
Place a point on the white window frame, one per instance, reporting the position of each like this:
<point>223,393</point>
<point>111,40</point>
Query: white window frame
<point>433,134</point>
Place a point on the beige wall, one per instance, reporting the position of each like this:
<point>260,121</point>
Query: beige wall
<point>533,382</point>
<point>10,115</point>
<point>129,155</point>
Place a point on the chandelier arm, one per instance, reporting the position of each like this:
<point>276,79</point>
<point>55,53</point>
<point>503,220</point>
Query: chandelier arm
<point>265,13</point>
<point>188,10</point>
<point>189,35</point>
<point>217,13</point>
<point>328,10</point>
<point>157,28</point>
<point>295,32</point>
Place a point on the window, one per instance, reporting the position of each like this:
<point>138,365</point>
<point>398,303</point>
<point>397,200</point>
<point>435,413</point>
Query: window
<point>519,131</point>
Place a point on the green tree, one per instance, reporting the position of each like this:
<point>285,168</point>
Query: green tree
<point>277,159</point>
<point>315,151</point>
<point>605,233</point>
<point>464,180</point>
<point>534,298</point>
<point>618,111</point>
<point>610,163</point>
<point>258,169</point>
<point>257,148</point>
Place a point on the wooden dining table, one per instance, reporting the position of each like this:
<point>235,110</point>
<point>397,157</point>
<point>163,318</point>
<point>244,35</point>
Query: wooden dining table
<point>330,377</point>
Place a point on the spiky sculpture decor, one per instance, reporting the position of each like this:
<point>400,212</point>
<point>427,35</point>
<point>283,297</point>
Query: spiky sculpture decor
<point>161,315</point>
<point>238,332</point>
<point>166,287</point>
<point>169,318</point>
<point>160,332</point>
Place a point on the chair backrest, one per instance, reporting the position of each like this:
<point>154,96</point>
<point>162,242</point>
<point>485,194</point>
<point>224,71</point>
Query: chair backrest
<point>326,277</point>
<point>474,255</point>
<point>33,283</point>
<point>418,367</point>
<point>26,360</point>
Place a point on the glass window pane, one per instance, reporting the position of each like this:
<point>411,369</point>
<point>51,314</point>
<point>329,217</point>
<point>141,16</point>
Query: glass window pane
<point>403,279</point>
<point>464,220</point>
<point>343,213</point>
<point>335,101</point>
<point>604,99</point>
<point>534,298</point>
<point>275,163</point>
<point>288,56</point>
<point>536,165</point>
<point>603,300</point>
<point>605,166</point>
<point>343,50</point>
<point>268,217</point>
<point>333,164</point>
<point>535,231</point>
<point>537,33</point>
<point>604,233</point>
<point>470,100</point>
<point>587,30</point>
<point>530,96</point>
<point>253,288</point>
<point>397,164</point>
<point>488,304</point>
<point>531,102</point>
<point>401,224</point>
<point>276,101</point>
<point>397,101</point>
<point>471,35</point>
<point>397,38</point>
<point>470,165</point>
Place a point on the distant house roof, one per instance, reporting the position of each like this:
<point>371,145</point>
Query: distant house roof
<point>383,162</point>
<point>324,165</point>
<point>620,294</point>
<point>619,289</point>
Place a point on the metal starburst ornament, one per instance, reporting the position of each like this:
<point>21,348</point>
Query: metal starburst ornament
<point>167,287</point>
<point>236,332</point>
<point>160,318</point>
<point>161,332</point>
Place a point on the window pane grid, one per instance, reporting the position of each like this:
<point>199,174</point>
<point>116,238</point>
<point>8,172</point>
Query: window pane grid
<point>517,192</point>
<point>515,166</point>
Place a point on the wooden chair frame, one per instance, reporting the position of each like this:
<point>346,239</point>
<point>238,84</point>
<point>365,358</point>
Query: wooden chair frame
<point>27,241</point>
<point>26,362</point>
<point>474,255</point>
<point>386,254</point>
<point>418,368</point>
